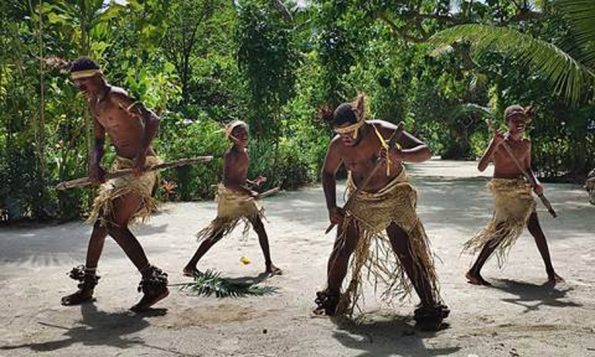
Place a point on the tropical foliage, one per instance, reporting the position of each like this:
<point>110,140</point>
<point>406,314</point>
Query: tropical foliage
<point>439,65</point>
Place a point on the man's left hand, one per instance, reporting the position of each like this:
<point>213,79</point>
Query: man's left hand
<point>538,189</point>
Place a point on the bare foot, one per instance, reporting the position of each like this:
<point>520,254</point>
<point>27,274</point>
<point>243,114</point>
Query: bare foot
<point>190,271</point>
<point>554,279</point>
<point>149,300</point>
<point>273,270</point>
<point>476,279</point>
<point>80,297</point>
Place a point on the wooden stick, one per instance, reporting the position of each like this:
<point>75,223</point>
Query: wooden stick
<point>268,193</point>
<point>86,181</point>
<point>527,175</point>
<point>391,143</point>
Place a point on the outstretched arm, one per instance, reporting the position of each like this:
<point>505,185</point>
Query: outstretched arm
<point>488,155</point>
<point>412,149</point>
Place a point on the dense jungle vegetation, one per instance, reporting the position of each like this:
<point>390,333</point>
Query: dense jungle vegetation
<point>441,66</point>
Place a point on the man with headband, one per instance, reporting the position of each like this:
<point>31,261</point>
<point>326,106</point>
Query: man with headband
<point>235,202</point>
<point>514,207</point>
<point>131,128</point>
<point>381,228</point>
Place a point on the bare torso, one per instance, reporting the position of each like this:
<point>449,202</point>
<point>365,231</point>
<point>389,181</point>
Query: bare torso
<point>504,164</point>
<point>361,158</point>
<point>235,168</point>
<point>125,130</point>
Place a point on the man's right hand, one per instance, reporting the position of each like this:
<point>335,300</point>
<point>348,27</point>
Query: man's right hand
<point>97,174</point>
<point>497,139</point>
<point>336,215</point>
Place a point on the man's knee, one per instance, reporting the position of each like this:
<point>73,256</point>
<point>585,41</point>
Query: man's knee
<point>115,229</point>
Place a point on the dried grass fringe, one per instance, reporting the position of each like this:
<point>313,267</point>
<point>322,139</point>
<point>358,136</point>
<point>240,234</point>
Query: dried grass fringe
<point>513,205</point>
<point>371,214</point>
<point>142,186</point>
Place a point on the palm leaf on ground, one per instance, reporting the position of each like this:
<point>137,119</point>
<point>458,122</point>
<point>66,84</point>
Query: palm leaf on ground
<point>211,282</point>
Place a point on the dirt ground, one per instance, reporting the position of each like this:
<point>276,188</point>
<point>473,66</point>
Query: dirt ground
<point>518,316</point>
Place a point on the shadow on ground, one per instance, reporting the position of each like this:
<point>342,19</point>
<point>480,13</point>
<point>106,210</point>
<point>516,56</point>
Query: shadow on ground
<point>532,297</point>
<point>394,336</point>
<point>98,328</point>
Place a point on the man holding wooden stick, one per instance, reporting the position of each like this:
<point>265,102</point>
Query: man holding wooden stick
<point>122,200</point>
<point>235,202</point>
<point>379,224</point>
<point>514,206</point>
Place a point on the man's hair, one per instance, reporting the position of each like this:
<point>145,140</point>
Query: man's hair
<point>234,125</point>
<point>513,110</point>
<point>344,113</point>
<point>83,63</point>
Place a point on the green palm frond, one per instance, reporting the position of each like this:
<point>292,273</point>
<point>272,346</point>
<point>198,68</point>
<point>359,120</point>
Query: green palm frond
<point>569,77</point>
<point>581,15</point>
<point>211,283</point>
<point>460,110</point>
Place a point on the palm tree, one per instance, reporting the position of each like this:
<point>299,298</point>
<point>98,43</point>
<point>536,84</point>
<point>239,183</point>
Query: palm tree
<point>570,68</point>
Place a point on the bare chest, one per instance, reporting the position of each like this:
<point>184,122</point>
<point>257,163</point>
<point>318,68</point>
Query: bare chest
<point>115,120</point>
<point>506,158</point>
<point>361,158</point>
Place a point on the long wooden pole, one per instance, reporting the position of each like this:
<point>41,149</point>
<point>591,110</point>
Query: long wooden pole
<point>86,181</point>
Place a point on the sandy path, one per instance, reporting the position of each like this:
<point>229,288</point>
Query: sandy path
<point>517,317</point>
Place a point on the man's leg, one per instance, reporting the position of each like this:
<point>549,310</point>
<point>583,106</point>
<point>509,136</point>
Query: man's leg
<point>88,277</point>
<point>204,247</point>
<point>535,230</point>
<point>328,299</point>
<point>124,208</point>
<point>264,245</point>
<point>154,281</point>
<point>430,314</point>
<point>473,275</point>
<point>95,247</point>
<point>419,279</point>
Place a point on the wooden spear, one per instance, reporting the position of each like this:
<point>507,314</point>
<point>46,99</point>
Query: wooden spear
<point>86,181</point>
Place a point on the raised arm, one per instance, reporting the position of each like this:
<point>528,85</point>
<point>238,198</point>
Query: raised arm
<point>412,149</point>
<point>488,155</point>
